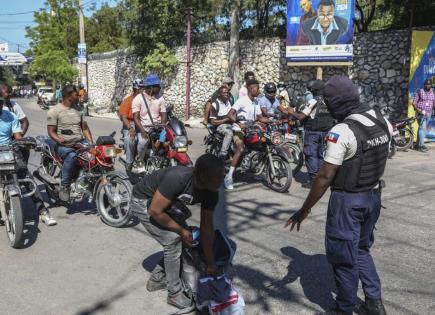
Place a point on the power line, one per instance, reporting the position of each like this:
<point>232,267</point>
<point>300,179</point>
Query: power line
<point>18,13</point>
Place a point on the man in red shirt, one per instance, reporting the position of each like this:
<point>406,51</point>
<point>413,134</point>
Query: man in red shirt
<point>128,129</point>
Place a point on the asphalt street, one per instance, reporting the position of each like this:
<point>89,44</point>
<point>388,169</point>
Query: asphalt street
<point>83,267</point>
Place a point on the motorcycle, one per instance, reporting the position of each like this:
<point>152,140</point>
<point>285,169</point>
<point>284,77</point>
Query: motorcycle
<point>13,189</point>
<point>291,141</point>
<point>403,133</point>
<point>168,146</point>
<point>263,154</point>
<point>94,178</point>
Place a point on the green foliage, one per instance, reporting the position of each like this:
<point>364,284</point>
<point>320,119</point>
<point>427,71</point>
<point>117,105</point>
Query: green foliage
<point>54,66</point>
<point>161,60</point>
<point>7,76</point>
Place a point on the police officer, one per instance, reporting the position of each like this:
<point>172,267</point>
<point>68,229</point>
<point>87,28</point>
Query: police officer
<point>317,122</point>
<point>356,154</point>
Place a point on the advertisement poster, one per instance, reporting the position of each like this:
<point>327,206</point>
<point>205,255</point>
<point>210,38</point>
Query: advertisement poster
<point>81,53</point>
<point>422,67</point>
<point>320,31</point>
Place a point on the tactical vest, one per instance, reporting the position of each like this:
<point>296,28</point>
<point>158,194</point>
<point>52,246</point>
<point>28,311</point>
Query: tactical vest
<point>322,121</point>
<point>364,170</point>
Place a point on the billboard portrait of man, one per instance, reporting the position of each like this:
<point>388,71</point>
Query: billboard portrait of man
<point>326,28</point>
<point>307,8</point>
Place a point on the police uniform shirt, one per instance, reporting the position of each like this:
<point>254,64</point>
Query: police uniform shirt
<point>308,108</point>
<point>341,142</point>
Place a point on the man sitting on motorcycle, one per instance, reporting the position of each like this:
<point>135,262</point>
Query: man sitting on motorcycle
<point>269,104</point>
<point>229,83</point>
<point>8,105</point>
<point>67,127</point>
<point>149,108</point>
<point>153,199</point>
<point>245,111</point>
<point>128,128</point>
<point>219,118</point>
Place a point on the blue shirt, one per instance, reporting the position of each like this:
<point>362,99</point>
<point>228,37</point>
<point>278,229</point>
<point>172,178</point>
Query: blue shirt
<point>9,124</point>
<point>271,108</point>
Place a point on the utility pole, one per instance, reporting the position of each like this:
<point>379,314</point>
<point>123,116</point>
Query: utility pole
<point>83,66</point>
<point>188,62</point>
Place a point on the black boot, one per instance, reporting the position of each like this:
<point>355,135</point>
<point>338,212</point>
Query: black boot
<point>331,312</point>
<point>375,307</point>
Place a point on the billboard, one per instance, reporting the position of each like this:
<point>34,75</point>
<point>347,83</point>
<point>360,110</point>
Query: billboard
<point>422,67</point>
<point>320,31</point>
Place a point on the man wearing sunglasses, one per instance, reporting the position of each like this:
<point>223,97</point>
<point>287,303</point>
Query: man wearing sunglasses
<point>326,28</point>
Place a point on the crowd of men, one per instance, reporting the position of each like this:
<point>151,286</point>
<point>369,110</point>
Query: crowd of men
<point>346,149</point>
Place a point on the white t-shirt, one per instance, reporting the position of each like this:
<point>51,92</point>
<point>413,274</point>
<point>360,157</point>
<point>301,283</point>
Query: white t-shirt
<point>16,109</point>
<point>341,141</point>
<point>224,109</point>
<point>247,108</point>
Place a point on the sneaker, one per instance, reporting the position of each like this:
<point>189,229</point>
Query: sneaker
<point>374,307</point>
<point>422,149</point>
<point>306,185</point>
<point>64,193</point>
<point>153,285</point>
<point>179,300</point>
<point>228,182</point>
<point>47,219</point>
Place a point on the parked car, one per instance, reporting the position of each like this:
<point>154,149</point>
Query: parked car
<point>46,96</point>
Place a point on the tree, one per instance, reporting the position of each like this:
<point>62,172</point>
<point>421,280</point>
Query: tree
<point>161,61</point>
<point>367,9</point>
<point>54,66</point>
<point>234,51</point>
<point>7,75</point>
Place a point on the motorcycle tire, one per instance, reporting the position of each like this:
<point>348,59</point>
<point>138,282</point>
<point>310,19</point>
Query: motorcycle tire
<point>121,215</point>
<point>14,211</point>
<point>393,150</point>
<point>296,154</point>
<point>408,139</point>
<point>283,169</point>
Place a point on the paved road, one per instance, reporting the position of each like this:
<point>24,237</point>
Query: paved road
<point>82,266</point>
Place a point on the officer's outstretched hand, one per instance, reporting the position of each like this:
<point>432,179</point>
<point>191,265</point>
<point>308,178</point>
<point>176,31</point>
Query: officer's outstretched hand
<point>297,218</point>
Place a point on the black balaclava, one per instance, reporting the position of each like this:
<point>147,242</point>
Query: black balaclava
<point>342,98</point>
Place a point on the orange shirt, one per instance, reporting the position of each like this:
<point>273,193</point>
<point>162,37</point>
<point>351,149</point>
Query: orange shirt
<point>125,108</point>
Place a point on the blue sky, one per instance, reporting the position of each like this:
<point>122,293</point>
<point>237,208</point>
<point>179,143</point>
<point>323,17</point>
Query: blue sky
<point>12,27</point>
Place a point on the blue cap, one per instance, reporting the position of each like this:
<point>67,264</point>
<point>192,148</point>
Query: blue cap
<point>152,79</point>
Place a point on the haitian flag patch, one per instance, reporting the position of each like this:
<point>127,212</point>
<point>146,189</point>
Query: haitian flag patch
<point>332,137</point>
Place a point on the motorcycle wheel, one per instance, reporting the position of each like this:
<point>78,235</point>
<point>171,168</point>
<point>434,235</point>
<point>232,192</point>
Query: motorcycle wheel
<point>14,213</point>
<point>406,139</point>
<point>282,181</point>
<point>393,150</point>
<point>115,216</point>
<point>50,168</point>
<point>297,157</point>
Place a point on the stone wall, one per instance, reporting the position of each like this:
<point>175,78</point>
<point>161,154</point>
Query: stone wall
<point>380,70</point>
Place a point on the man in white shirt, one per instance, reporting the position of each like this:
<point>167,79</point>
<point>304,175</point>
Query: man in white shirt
<point>148,108</point>
<point>243,112</point>
<point>219,118</point>
<point>355,159</point>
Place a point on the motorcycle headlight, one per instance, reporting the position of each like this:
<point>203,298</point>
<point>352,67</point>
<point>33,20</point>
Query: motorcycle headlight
<point>110,152</point>
<point>7,156</point>
<point>180,141</point>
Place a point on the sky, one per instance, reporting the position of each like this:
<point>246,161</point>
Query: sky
<point>13,27</point>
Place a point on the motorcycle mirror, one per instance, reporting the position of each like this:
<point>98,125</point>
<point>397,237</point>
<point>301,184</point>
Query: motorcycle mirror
<point>113,134</point>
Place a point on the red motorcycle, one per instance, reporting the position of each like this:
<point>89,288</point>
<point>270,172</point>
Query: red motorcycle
<point>94,177</point>
<point>168,146</point>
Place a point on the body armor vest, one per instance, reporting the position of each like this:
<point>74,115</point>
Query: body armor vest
<point>322,121</point>
<point>364,170</point>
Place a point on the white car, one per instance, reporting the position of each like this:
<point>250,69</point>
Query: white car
<point>46,95</point>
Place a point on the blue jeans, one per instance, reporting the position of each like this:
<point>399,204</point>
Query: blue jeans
<point>422,127</point>
<point>314,148</point>
<point>69,157</point>
<point>350,223</point>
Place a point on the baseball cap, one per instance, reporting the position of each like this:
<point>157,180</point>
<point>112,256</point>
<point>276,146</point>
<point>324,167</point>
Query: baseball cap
<point>227,80</point>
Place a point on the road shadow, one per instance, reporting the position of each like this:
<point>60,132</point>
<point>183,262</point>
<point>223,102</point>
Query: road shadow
<point>314,274</point>
<point>31,222</point>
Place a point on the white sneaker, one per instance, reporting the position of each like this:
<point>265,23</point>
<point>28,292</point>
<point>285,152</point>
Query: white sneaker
<point>228,182</point>
<point>47,219</point>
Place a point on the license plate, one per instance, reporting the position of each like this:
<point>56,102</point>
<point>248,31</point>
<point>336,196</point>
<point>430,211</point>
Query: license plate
<point>291,137</point>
